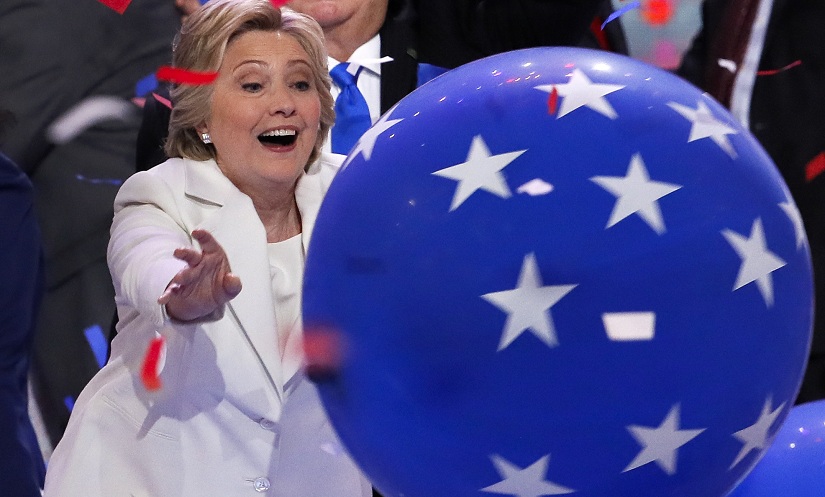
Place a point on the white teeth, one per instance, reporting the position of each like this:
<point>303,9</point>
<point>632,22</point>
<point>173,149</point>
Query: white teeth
<point>279,132</point>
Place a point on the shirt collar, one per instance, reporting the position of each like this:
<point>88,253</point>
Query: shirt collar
<point>367,55</point>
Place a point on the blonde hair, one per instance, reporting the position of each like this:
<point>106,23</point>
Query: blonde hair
<point>200,46</point>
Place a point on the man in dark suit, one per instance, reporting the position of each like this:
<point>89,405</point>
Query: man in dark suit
<point>53,55</point>
<point>784,109</point>
<point>21,286</point>
<point>423,38</point>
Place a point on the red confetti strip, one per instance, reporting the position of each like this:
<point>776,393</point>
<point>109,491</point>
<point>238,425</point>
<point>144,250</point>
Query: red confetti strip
<point>324,351</point>
<point>553,101</point>
<point>815,167</point>
<point>771,72</point>
<point>183,76</point>
<point>279,3</point>
<point>657,12</point>
<point>118,6</point>
<point>149,373</point>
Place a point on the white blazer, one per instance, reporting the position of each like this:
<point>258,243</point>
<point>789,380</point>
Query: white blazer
<point>225,422</point>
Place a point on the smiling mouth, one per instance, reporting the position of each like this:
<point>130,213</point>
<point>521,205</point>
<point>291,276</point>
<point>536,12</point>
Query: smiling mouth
<point>279,137</point>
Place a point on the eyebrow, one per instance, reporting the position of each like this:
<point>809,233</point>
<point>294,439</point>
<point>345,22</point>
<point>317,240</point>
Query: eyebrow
<point>291,63</point>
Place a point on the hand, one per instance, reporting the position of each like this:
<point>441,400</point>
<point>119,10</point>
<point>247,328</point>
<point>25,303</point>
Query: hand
<point>205,285</point>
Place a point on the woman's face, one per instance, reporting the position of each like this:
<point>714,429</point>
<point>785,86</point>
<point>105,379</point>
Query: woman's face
<point>265,111</point>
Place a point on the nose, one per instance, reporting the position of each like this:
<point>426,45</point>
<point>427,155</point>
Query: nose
<point>282,101</point>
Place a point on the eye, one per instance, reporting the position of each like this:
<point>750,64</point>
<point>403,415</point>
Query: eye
<point>252,87</point>
<point>302,85</point>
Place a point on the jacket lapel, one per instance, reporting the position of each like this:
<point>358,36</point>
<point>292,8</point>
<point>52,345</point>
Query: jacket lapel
<point>236,226</point>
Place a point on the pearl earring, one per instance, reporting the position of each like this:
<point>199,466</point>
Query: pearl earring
<point>205,138</point>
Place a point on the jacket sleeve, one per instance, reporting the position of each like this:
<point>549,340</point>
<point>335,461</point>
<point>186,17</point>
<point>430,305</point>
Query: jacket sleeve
<point>21,465</point>
<point>146,229</point>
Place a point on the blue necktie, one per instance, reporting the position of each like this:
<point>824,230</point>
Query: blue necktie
<point>352,116</point>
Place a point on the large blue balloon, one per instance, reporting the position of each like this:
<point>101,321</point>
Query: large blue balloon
<point>794,465</point>
<point>559,271</point>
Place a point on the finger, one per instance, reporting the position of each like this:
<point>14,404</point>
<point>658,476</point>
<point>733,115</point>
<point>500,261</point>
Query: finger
<point>190,256</point>
<point>167,294</point>
<point>231,285</point>
<point>207,241</point>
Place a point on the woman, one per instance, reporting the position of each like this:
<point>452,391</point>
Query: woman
<point>234,415</point>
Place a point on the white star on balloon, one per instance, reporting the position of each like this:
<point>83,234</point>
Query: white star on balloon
<point>660,444</point>
<point>528,305</point>
<point>481,171</point>
<point>580,91</point>
<point>755,436</point>
<point>757,261</point>
<point>796,218</point>
<point>527,482</point>
<point>366,144</point>
<point>636,194</point>
<point>705,125</point>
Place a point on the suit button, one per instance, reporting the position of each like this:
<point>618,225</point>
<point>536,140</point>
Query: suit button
<point>267,424</point>
<point>261,484</point>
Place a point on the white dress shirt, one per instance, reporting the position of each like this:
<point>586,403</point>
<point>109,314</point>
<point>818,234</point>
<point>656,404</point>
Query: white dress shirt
<point>369,81</point>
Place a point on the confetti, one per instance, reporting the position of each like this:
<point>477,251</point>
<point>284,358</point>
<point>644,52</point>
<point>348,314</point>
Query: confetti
<point>324,352</point>
<point>86,114</point>
<point>666,55</point>
<point>727,64</point>
<point>553,101</point>
<point>279,3</point>
<point>771,72</point>
<point>657,12</point>
<point>183,76</point>
<point>621,12</point>
<point>118,6</point>
<point>98,343</point>
<point>815,167</point>
<point>150,373</point>
<point>535,187</point>
<point>146,85</point>
<point>99,181</point>
<point>163,100</point>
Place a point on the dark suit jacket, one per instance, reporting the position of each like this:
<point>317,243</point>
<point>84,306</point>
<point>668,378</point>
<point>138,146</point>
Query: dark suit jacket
<point>21,286</point>
<point>54,54</point>
<point>443,33</point>
<point>787,113</point>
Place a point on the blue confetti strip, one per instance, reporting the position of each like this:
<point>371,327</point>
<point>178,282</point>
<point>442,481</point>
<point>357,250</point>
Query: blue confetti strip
<point>99,181</point>
<point>69,401</point>
<point>146,85</point>
<point>98,343</point>
<point>622,11</point>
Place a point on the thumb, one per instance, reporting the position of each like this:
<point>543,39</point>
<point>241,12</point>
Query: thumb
<point>232,285</point>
